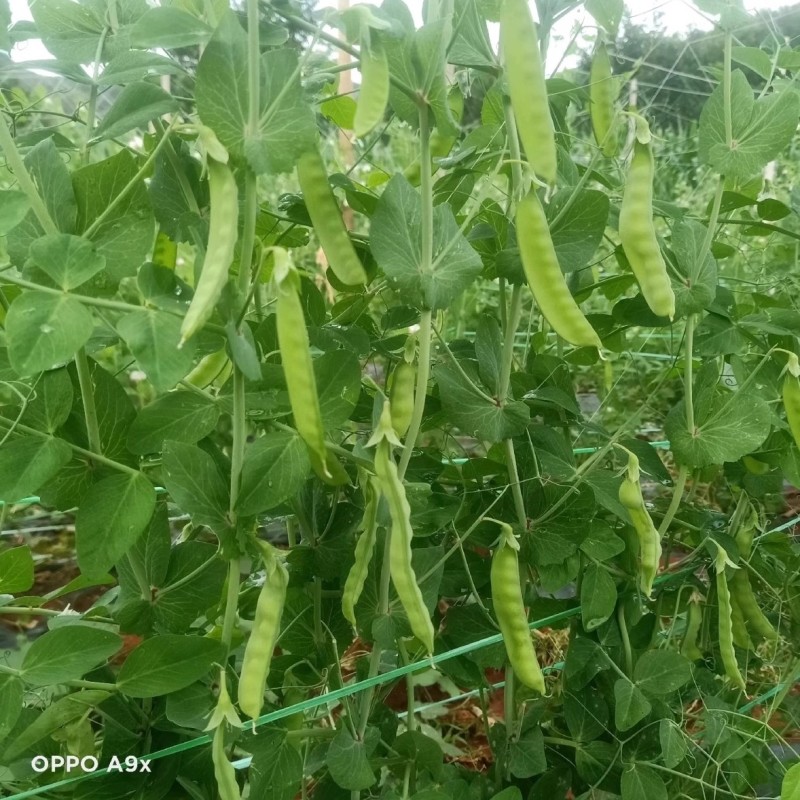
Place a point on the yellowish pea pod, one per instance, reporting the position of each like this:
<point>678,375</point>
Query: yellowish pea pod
<point>509,609</point>
<point>365,547</point>
<point>545,278</point>
<point>630,496</point>
<point>400,567</point>
<point>374,93</point>
<point>327,219</point>
<point>264,635</point>
<point>637,233</point>
<point>519,41</point>
<point>222,235</point>
<point>215,366</point>
<point>603,90</point>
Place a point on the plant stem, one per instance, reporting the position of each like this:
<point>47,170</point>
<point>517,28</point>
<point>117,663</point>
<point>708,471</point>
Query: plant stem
<point>13,425</point>
<point>375,656</point>
<point>677,494</point>
<point>87,398</point>
<point>91,108</point>
<point>17,166</point>
<point>513,317</point>
<point>688,388</point>
<point>626,642</point>
<point>130,185</point>
<point>426,265</point>
<point>231,603</point>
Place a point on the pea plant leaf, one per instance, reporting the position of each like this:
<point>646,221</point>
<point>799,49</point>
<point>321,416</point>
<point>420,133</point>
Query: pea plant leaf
<point>286,126</point>
<point>761,128</point>
<point>396,236</point>
<point>69,260</point>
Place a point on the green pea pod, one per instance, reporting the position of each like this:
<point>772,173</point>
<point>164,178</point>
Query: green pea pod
<point>363,556</point>
<point>745,599</point>
<point>327,220</point>
<point>527,89</point>
<point>630,496</point>
<point>223,769</point>
<point>791,404</point>
<point>402,572</point>
<point>545,278</point>
<point>510,612</point>
<point>266,627</point>
<point>725,623</point>
<point>208,369</point>
<point>401,395</point>
<point>223,232</point>
<point>299,372</point>
<point>373,95</point>
<point>741,638</point>
<point>603,96</point>
<point>694,619</point>
<point>165,251</point>
<point>637,233</point>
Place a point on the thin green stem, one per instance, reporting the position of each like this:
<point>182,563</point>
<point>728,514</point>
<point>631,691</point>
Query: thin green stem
<point>91,108</point>
<point>508,711</point>
<point>507,358</point>
<point>426,265</point>
<point>17,166</point>
<point>231,603</point>
<point>13,425</point>
<point>238,436</point>
<point>130,185</point>
<point>677,495</point>
<point>727,85</point>
<point>626,642</point>
<point>189,577</point>
<point>87,399</point>
<point>375,655</point>
<point>688,379</point>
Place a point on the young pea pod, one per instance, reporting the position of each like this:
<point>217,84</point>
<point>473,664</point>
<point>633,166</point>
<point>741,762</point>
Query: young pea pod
<point>725,622</point>
<point>791,398</point>
<point>223,769</point>
<point>510,612</point>
<point>741,638</point>
<point>223,232</point>
<point>603,96</point>
<point>400,567</point>
<point>266,627</point>
<point>327,219</point>
<point>363,556</point>
<point>694,619</point>
<point>165,251</point>
<point>208,369</point>
<point>299,372</point>
<point>401,395</point>
<point>527,89</point>
<point>374,93</point>
<point>637,233</point>
<point>630,496</point>
<point>744,598</point>
<point>545,278</point>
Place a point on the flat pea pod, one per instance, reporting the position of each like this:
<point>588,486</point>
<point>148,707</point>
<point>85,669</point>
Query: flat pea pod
<point>637,233</point>
<point>527,89</point>
<point>741,638</point>
<point>208,369</point>
<point>694,620</point>
<point>298,370</point>
<point>327,220</point>
<point>630,496</point>
<point>373,95</point>
<point>746,527</point>
<point>401,394</point>
<point>791,404</point>
<point>725,623</point>
<point>545,278</point>
<point>223,231</point>
<point>602,97</point>
<point>365,546</point>
<point>400,566</point>
<point>223,769</point>
<point>510,612</point>
<point>266,627</point>
<point>743,596</point>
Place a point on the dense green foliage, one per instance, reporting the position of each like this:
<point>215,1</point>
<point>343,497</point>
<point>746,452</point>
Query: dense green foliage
<point>317,462</point>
